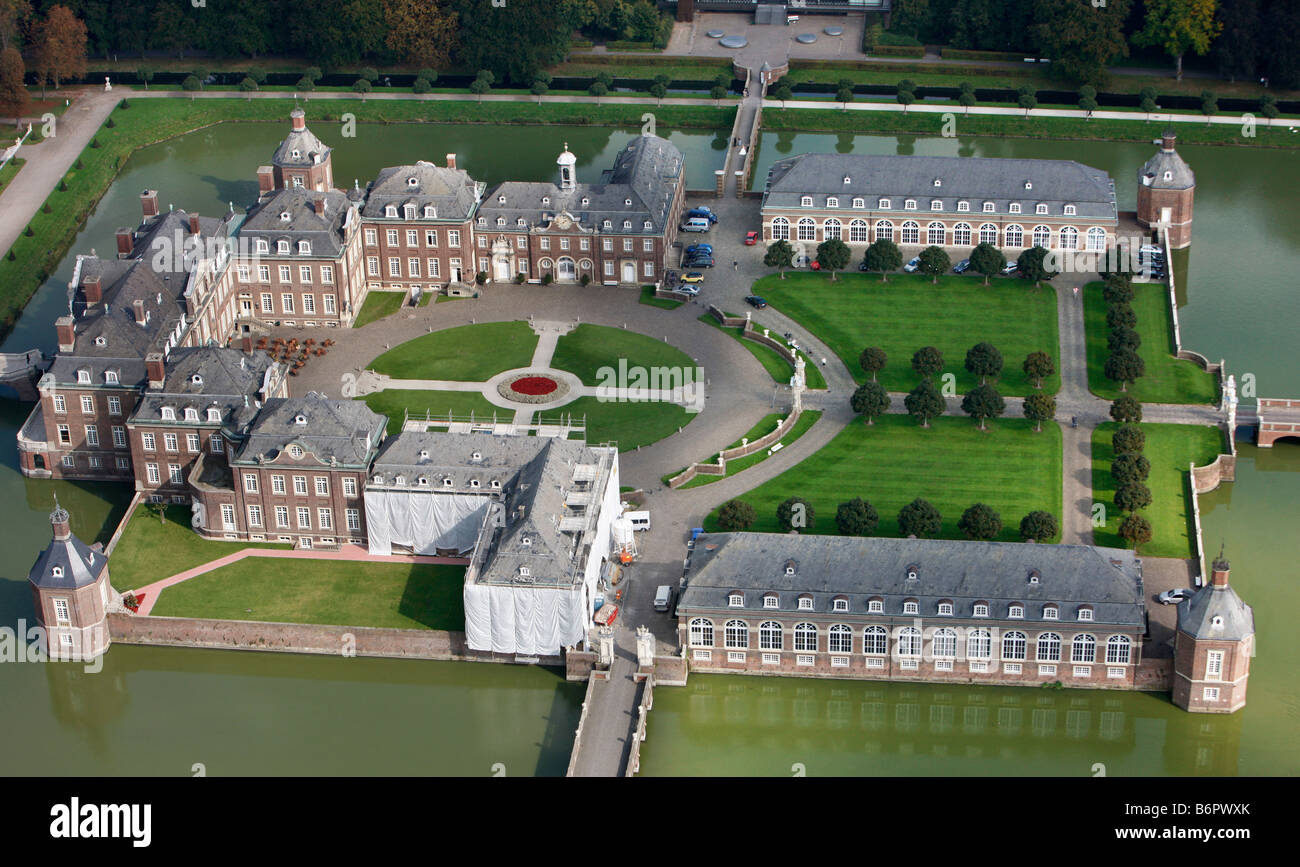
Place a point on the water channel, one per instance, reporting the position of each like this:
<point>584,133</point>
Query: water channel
<point>159,711</point>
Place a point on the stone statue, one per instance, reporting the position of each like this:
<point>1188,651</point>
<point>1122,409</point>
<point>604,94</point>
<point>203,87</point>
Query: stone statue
<point>108,85</point>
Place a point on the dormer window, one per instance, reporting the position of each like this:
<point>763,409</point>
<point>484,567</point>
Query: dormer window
<point>1070,210</point>
<point>546,200</point>
<point>430,212</point>
<point>191,414</point>
<point>607,225</point>
<point>883,204</point>
<point>1169,176</point>
<point>476,456</point>
<point>912,572</point>
<point>1029,185</point>
<point>473,483</point>
<point>647,225</point>
<point>1014,208</point>
<point>963,206</point>
<point>840,605</point>
<point>168,414</point>
<point>524,572</point>
<point>285,216</point>
<point>832,202</point>
<point>304,248</point>
<point>101,341</point>
<point>910,606</point>
<point>295,451</point>
<point>379,479</point>
<point>262,246</point>
<point>482,221</point>
<point>848,179</point>
<point>981,609</point>
<point>110,377</point>
<point>399,480</point>
<point>936,205</point>
<point>585,201</point>
<point>988,207</point>
<point>447,482</point>
<point>282,247</point>
<point>57,571</point>
<point>409,212</point>
<point>945,608</point>
<point>736,600</point>
<point>1040,208</point>
<point>1085,613</point>
<point>627,224</point>
<point>526,541</point>
<point>1051,612</point>
<point>422,481</point>
<point>1034,575</point>
<point>938,182</point>
<point>1216,622</point>
<point>789,568</point>
<point>805,202</point>
<point>424,454</point>
<point>300,420</point>
<point>771,600</point>
<point>501,200</point>
<point>495,484</point>
<point>501,221</point>
<point>859,202</point>
<point>875,606</point>
<point>412,182</point>
<point>805,603</point>
<point>390,211</point>
<point>1016,611</point>
<point>909,205</point>
<point>521,222</point>
<point>83,375</point>
<point>214,414</point>
<point>295,153</point>
<point>627,203</point>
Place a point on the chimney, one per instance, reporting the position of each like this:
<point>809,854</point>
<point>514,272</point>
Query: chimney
<point>125,243</point>
<point>65,327</point>
<point>194,224</point>
<point>265,179</point>
<point>451,161</point>
<point>1167,140</point>
<point>60,522</point>
<point>1219,572</point>
<point>246,344</point>
<point>137,307</point>
<point>318,205</point>
<point>149,203</point>
<point>298,118</point>
<point>91,286</point>
<point>153,363</point>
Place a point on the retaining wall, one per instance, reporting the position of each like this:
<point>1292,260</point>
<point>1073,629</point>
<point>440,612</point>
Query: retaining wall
<point>720,468</point>
<point>638,736</point>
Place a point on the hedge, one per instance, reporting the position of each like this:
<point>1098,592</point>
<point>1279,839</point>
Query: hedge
<point>969,54</point>
<point>621,45</point>
<point>899,51</point>
<point>605,59</point>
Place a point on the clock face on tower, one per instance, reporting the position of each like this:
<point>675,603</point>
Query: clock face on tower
<point>563,222</point>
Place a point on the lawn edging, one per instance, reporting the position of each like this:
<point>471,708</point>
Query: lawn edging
<point>720,468</point>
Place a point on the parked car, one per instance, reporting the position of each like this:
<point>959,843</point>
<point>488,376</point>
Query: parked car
<point>698,262</point>
<point>687,289</point>
<point>862,266</point>
<point>1010,268</point>
<point>751,238</point>
<point>663,597</point>
<point>700,248</point>
<point>961,267</point>
<point>693,277</point>
<point>697,224</point>
<point>1151,248</point>
<point>913,265</point>
<point>1173,597</point>
<point>755,301</point>
<point>702,212</point>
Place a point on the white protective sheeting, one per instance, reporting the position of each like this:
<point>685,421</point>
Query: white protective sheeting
<point>524,620</point>
<point>423,521</point>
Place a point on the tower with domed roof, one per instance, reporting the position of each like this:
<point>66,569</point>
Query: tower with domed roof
<point>71,591</point>
<point>1213,645</point>
<point>1166,186</point>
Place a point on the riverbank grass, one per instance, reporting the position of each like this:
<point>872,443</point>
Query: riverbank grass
<point>152,549</point>
<point>1168,379</point>
<point>909,312</point>
<point>468,353</point>
<point>1170,448</point>
<point>326,592</point>
<point>952,464</point>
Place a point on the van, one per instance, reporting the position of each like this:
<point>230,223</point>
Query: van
<point>697,224</point>
<point>664,598</point>
<point>640,520</point>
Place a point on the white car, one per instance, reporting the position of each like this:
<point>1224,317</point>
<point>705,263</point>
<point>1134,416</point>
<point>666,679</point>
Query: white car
<point>1173,597</point>
<point>1011,267</point>
<point>913,266</point>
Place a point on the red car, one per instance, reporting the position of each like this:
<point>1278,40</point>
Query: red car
<point>751,238</point>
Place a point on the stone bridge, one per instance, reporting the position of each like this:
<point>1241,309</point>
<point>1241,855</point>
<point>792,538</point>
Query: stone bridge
<point>21,370</point>
<point>1273,419</point>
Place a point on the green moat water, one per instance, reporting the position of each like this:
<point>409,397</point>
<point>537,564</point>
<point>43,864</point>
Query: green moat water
<point>160,711</point>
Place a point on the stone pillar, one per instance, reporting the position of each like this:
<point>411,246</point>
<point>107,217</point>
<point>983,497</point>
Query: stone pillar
<point>720,182</point>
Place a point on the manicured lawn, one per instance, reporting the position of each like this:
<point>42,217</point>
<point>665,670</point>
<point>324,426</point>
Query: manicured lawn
<point>396,402</point>
<point>909,312</point>
<point>777,367</point>
<point>806,420</point>
<point>953,465</point>
<point>330,592</point>
<point>150,550</point>
<point>648,297</point>
<point>1170,449</point>
<point>629,424</point>
<point>1167,379</point>
<point>588,348</point>
<point>469,353</point>
<point>377,306</point>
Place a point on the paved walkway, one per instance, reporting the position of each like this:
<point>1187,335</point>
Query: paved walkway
<point>611,716</point>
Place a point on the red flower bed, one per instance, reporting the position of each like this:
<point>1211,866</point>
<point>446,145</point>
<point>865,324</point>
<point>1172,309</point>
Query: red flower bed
<point>534,385</point>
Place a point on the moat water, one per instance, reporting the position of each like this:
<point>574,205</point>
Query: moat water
<point>162,711</point>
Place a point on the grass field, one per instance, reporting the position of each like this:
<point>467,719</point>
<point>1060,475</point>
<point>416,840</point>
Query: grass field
<point>329,592</point>
<point>630,424</point>
<point>777,367</point>
<point>908,312</point>
<point>394,402</point>
<point>469,353</point>
<point>588,348</point>
<point>378,305</point>
<point>150,550</point>
<point>766,426</point>
<point>1170,448</point>
<point>1168,379</point>
<point>648,297</point>
<point>894,461</point>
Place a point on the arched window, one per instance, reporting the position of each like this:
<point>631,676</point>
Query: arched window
<point>1083,648</point>
<point>858,232</point>
<point>701,632</point>
<point>909,641</point>
<point>979,644</point>
<point>945,643</point>
<point>841,639</point>
<point>1117,649</point>
<point>736,635</point>
<point>769,635</point>
<point>807,229</point>
<point>911,232</point>
<point>1049,647</point>
<point>805,636</point>
<point>780,229</point>
<point>1069,238</point>
<point>961,235</point>
<point>1015,236</point>
<point>988,234</point>
<point>1096,239</point>
<point>884,230</point>
<point>1042,236</point>
<point>875,640</point>
<point>936,233</point>
<point>1013,645</point>
<point>831,230</point>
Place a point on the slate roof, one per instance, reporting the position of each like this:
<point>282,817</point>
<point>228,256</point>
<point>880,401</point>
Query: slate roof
<point>439,455</point>
<point>639,188</point>
<point>972,179</point>
<point>78,563</point>
<point>859,569</point>
<point>1152,173</point>
<point>311,150</point>
<point>227,379</point>
<point>452,192</point>
<point>336,432</point>
<point>326,232</point>
<point>1196,615</point>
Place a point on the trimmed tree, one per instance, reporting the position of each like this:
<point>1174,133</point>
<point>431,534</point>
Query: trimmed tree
<point>783,93</point>
<point>985,361</point>
<point>1039,408</point>
<point>987,260</point>
<point>1136,530</point>
<point>919,518</point>
<point>1132,496</point>
<point>778,256</point>
<point>1209,105</point>
<point>1118,290</point>
<point>1088,99</point>
<point>872,360</point>
<point>1039,526</point>
<point>883,256</point>
<point>927,361</point>
<point>1032,265</point>
<point>905,98</point>
<point>1027,99</point>
<point>736,515</point>
<point>982,403</point>
<point>1038,366</point>
<point>966,100</point>
<point>1147,102</point>
<point>796,514</point>
<point>1128,439</point>
<point>856,517</point>
<point>934,262</point>
<point>1121,316</point>
<point>1124,366</point>
<point>1130,468</point>
<point>1123,338</point>
<point>925,402</point>
<point>539,89</point>
<point>1126,410</point>
<point>833,255</point>
<point>870,399</point>
<point>980,521</point>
